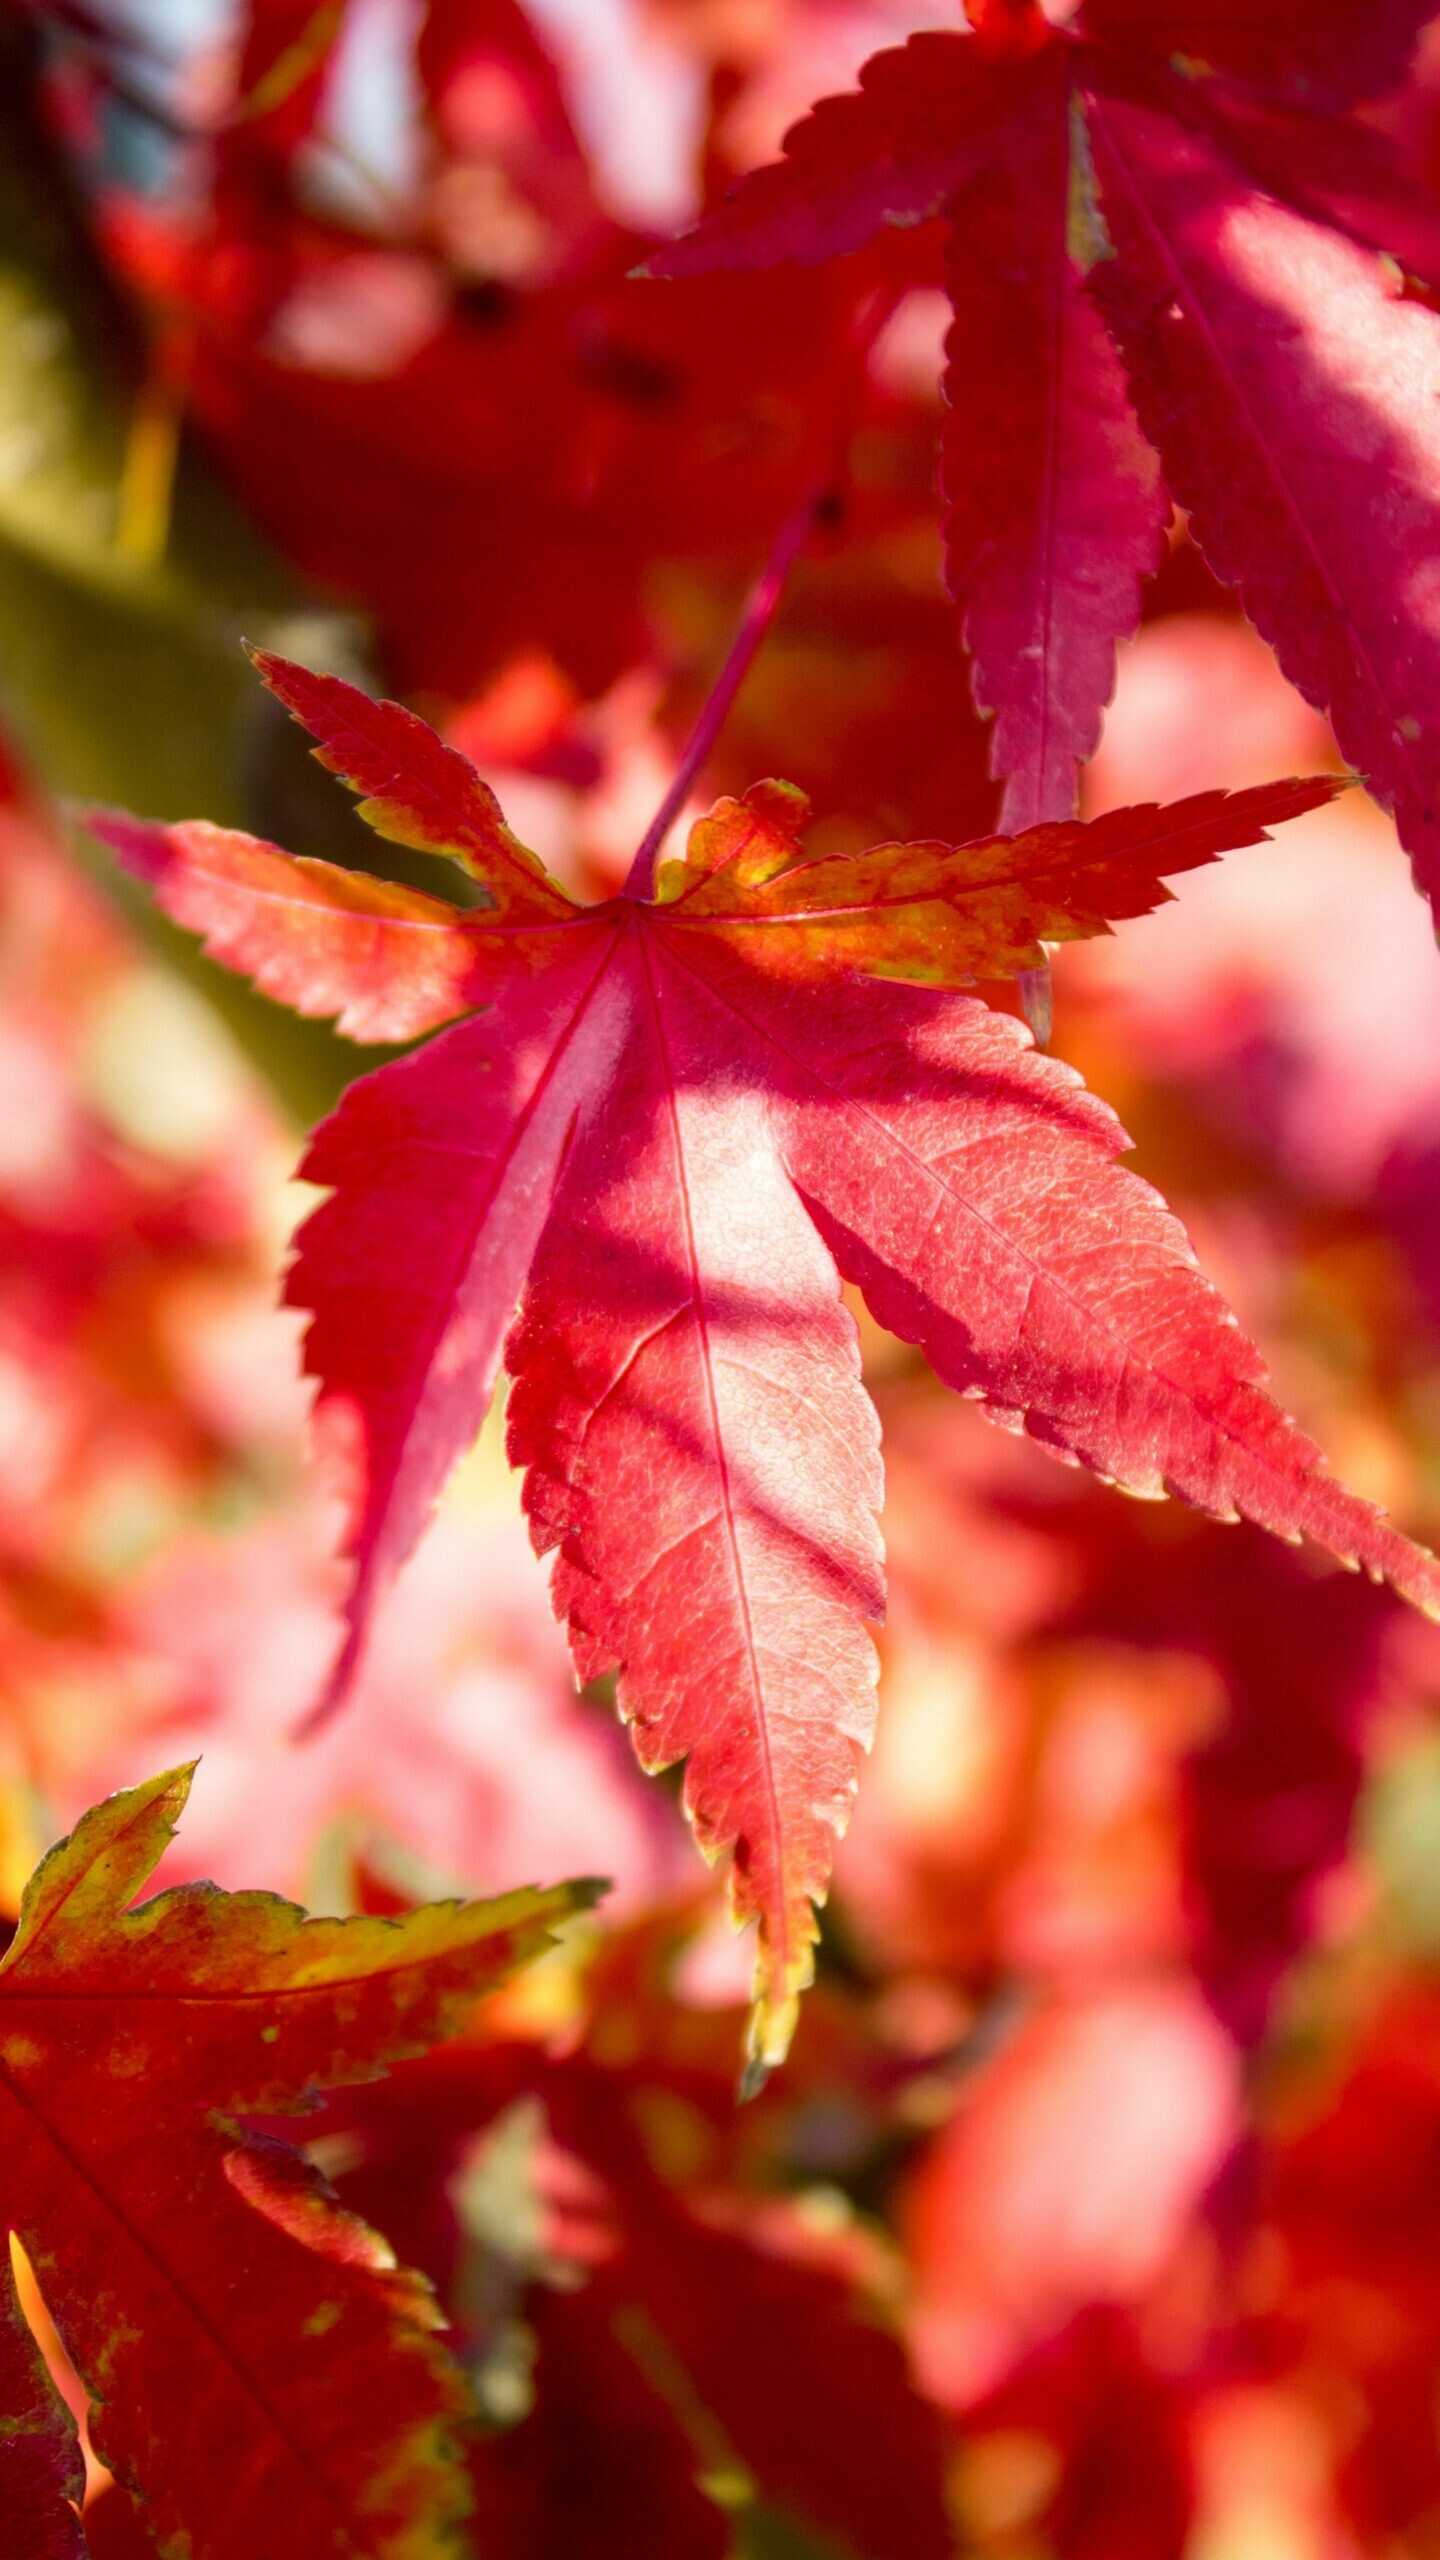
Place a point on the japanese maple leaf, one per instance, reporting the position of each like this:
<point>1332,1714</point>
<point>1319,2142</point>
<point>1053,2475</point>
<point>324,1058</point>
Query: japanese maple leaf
<point>1158,256</point>
<point>190,2267</point>
<point>668,1130</point>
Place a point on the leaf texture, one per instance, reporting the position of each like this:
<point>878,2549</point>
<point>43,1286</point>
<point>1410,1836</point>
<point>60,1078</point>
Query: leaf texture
<point>387,962</point>
<point>414,789</point>
<point>1360,184</point>
<point>1054,507</point>
<point>1310,53</point>
<point>1219,303</point>
<point>204,2269</point>
<point>967,1185</point>
<point>950,913</point>
<point>407,1345</point>
<point>665,1143</point>
<point>922,121</point>
<point>1295,398</point>
<point>702,1455</point>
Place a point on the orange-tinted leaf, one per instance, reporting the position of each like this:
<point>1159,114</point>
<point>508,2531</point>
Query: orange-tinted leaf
<point>386,961</point>
<point>415,789</point>
<point>188,2266</point>
<point>948,913</point>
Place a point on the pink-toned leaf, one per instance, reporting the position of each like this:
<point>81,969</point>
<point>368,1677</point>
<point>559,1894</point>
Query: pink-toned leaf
<point>968,1186</point>
<point>1068,2177</point>
<point>626,1143</point>
<point>1308,53</point>
<point>700,1451</point>
<point>387,962</point>
<point>925,117</point>
<point>1290,389</point>
<point>464,1748</point>
<point>1295,399</point>
<point>414,789</point>
<point>441,1169</point>
<point>1359,184</point>
<point>1054,504</point>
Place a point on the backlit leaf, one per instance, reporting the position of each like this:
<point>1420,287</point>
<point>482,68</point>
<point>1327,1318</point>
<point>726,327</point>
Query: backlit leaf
<point>674,1130</point>
<point>1289,387</point>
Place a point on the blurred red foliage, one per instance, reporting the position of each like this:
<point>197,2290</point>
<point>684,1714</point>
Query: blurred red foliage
<point>1093,2216</point>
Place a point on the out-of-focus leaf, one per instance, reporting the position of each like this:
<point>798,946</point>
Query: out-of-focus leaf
<point>119,678</point>
<point>190,2267</point>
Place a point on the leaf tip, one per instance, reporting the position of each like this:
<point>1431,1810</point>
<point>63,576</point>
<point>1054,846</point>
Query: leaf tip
<point>175,1783</point>
<point>782,804</point>
<point>264,661</point>
<point>168,1793</point>
<point>772,2024</point>
<point>753,2078</point>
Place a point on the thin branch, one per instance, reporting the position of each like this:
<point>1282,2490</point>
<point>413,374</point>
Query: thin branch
<point>821,503</point>
<point>765,596</point>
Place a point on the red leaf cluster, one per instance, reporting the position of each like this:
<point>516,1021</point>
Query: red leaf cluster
<point>710,1167</point>
<point>1145,235</point>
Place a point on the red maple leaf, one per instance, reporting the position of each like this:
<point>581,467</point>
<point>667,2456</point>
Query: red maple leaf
<point>191,2267</point>
<point>1157,249</point>
<point>675,1125</point>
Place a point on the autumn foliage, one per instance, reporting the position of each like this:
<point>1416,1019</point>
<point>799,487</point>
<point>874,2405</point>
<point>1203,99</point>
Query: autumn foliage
<point>778,611</point>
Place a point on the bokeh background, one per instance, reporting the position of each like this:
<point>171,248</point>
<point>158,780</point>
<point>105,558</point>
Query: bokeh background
<point>1098,2212</point>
